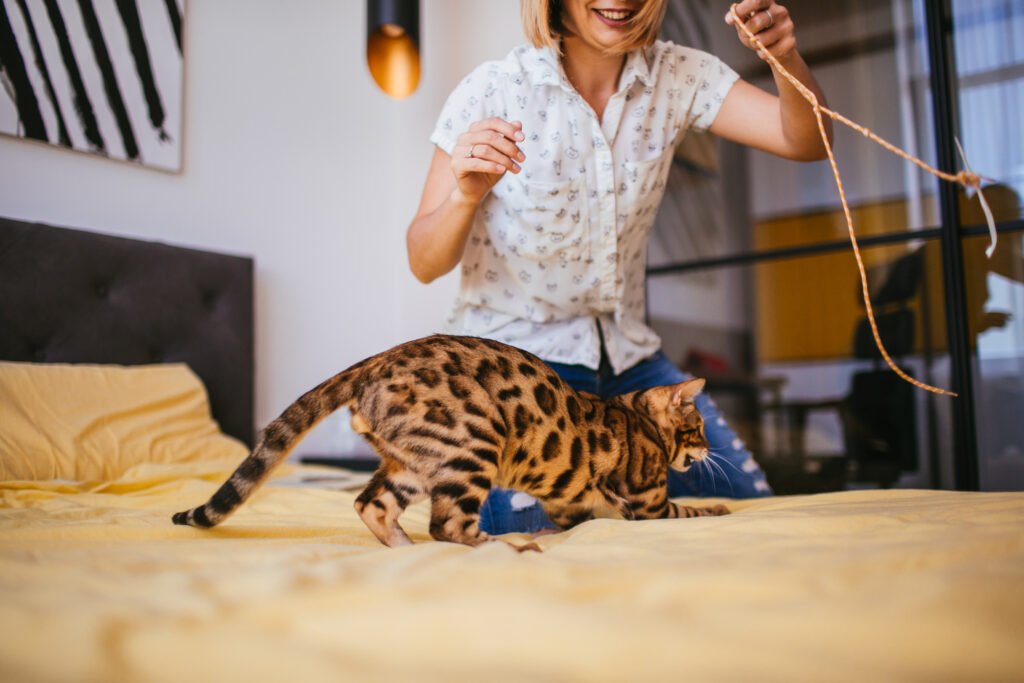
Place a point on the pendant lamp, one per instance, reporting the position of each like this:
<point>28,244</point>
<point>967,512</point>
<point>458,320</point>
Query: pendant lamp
<point>393,45</point>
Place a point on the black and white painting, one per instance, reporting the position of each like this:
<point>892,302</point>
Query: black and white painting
<point>101,76</point>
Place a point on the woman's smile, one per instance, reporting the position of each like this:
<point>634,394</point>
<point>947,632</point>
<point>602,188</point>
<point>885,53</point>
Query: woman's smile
<point>601,24</point>
<point>615,18</point>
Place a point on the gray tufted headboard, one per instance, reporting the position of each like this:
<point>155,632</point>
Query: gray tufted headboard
<point>69,296</point>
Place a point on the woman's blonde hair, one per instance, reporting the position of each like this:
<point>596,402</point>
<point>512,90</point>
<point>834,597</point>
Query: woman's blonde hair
<point>542,23</point>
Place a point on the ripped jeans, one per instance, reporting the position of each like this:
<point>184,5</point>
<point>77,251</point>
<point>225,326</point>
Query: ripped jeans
<point>738,474</point>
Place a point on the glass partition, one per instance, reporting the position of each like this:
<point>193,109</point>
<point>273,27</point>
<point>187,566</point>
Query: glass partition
<point>804,384</point>
<point>753,284</point>
<point>989,41</point>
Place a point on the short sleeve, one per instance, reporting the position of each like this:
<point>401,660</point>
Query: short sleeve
<point>706,80</point>
<point>476,97</point>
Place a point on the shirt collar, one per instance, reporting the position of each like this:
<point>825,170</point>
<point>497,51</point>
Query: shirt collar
<point>637,68</point>
<point>546,68</point>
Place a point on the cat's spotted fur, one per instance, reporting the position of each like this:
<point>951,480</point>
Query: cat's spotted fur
<point>452,417</point>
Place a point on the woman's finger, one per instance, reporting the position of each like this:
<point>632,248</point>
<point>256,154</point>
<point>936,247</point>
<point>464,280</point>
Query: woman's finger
<point>770,37</point>
<point>485,152</point>
<point>763,16</point>
<point>488,153</point>
<point>492,138</point>
<point>513,130</point>
<point>774,30</point>
<point>478,165</point>
<point>778,40</point>
<point>745,8</point>
<point>764,20</point>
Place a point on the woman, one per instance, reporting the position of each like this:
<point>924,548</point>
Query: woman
<point>548,170</point>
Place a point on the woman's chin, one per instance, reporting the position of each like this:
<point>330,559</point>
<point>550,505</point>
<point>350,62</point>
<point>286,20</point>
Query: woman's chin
<point>612,43</point>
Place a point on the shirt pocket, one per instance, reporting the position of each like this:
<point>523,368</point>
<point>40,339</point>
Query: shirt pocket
<point>551,222</point>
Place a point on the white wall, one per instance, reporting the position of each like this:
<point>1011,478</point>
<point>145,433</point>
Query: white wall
<point>292,156</point>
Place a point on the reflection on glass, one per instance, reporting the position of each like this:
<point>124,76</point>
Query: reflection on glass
<point>869,58</point>
<point>785,344</point>
<point>989,43</point>
<point>983,291</point>
<point>842,407</point>
<point>875,72</point>
<point>802,381</point>
<point>995,293</point>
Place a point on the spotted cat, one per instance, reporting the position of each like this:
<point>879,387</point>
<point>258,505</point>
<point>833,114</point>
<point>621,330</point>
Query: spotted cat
<point>452,417</point>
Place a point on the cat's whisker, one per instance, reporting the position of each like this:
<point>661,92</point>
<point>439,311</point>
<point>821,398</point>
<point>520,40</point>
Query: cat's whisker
<point>700,474</point>
<point>728,462</point>
<point>717,460</point>
<point>717,470</point>
<point>712,460</point>
<point>706,464</point>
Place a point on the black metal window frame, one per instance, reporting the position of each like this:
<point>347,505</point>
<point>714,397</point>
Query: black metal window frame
<point>945,114</point>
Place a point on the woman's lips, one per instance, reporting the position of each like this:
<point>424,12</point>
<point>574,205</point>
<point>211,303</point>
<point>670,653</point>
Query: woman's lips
<point>614,17</point>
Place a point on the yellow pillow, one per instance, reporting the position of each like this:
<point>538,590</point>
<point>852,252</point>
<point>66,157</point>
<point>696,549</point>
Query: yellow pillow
<point>93,422</point>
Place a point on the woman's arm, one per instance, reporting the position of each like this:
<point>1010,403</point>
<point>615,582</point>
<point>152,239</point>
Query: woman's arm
<point>454,188</point>
<point>437,235</point>
<point>784,125</point>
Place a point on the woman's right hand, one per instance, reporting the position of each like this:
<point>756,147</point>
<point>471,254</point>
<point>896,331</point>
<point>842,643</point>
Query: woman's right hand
<point>483,154</point>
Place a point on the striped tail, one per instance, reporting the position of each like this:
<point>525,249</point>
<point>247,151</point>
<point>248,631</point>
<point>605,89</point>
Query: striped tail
<point>275,442</point>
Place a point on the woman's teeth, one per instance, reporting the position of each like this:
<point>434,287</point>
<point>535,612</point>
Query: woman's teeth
<point>614,14</point>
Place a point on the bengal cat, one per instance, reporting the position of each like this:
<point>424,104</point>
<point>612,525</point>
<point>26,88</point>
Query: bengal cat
<point>452,417</point>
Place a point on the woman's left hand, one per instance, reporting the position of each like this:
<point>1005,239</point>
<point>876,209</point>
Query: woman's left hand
<point>771,23</point>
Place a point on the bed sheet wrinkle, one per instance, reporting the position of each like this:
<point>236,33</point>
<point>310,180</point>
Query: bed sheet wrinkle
<point>855,586</point>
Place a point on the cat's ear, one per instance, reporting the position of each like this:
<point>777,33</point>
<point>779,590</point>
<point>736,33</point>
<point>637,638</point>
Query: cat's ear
<point>686,391</point>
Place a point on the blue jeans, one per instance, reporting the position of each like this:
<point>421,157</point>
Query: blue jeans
<point>737,475</point>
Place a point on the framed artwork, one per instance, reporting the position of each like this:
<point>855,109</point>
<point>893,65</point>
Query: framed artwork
<point>98,76</point>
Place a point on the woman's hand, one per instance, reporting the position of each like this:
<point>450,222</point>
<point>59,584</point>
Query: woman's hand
<point>785,124</point>
<point>771,23</point>
<point>483,154</point>
<point>455,186</point>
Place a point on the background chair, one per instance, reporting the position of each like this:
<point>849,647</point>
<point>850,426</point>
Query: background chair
<point>877,415</point>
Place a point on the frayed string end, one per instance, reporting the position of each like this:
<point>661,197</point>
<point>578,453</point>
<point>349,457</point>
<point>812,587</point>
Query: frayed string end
<point>972,181</point>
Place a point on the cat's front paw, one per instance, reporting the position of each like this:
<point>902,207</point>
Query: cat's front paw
<point>687,511</point>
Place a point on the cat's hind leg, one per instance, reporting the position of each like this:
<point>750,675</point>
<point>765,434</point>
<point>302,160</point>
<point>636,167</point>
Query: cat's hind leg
<point>391,489</point>
<point>455,512</point>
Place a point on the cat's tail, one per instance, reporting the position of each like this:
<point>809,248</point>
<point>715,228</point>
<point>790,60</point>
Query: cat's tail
<point>274,444</point>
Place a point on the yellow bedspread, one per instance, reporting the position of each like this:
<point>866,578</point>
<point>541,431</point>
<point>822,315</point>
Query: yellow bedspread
<point>97,585</point>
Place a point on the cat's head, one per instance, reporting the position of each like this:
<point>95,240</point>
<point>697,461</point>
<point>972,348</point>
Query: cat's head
<point>680,423</point>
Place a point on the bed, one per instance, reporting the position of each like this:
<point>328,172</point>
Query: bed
<point>96,584</point>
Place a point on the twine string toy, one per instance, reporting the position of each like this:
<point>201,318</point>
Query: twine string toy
<point>966,177</point>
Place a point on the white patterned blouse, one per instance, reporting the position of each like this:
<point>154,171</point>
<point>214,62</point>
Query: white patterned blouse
<point>560,248</point>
